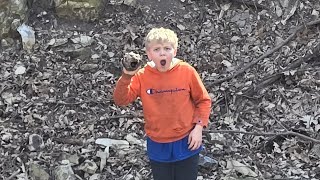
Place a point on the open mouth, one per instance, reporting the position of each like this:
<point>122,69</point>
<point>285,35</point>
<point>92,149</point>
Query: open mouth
<point>163,62</point>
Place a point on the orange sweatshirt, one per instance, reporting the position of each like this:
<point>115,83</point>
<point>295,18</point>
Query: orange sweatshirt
<point>173,101</point>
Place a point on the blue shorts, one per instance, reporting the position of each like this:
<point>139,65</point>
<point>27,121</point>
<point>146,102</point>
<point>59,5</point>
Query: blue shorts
<point>170,152</point>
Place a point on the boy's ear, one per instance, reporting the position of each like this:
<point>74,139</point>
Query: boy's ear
<point>148,54</point>
<point>175,52</point>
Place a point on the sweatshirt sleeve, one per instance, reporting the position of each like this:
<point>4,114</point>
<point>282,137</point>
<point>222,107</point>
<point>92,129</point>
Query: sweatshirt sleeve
<point>201,100</point>
<point>127,90</point>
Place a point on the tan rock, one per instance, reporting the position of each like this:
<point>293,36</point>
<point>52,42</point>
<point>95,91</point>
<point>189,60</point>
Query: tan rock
<point>11,14</point>
<point>78,9</point>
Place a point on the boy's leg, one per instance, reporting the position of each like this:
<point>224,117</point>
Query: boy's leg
<point>187,169</point>
<point>162,171</point>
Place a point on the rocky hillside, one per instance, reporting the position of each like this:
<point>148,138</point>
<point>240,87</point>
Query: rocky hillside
<point>258,59</point>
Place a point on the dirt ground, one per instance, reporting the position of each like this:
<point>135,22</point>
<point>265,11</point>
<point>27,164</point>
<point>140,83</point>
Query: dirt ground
<point>264,120</point>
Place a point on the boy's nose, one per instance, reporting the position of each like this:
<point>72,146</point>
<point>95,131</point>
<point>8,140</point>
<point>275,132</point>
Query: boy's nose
<point>162,52</point>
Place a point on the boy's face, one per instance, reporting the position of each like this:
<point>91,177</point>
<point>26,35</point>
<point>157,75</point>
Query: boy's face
<point>161,53</point>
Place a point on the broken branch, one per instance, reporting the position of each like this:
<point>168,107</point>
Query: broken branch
<point>271,79</point>
<point>14,174</point>
<point>268,53</point>
<point>265,134</point>
<point>76,142</point>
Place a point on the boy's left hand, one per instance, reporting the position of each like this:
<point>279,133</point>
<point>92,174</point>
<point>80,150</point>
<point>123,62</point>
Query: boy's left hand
<point>195,138</point>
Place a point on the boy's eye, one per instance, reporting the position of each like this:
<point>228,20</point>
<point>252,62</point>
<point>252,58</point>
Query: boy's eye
<point>167,48</point>
<point>156,49</point>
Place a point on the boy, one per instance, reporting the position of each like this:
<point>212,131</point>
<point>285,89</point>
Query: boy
<point>176,107</point>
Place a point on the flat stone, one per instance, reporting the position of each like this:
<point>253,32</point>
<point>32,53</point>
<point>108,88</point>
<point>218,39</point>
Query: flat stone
<point>78,9</point>
<point>64,172</point>
<point>89,167</point>
<point>38,173</point>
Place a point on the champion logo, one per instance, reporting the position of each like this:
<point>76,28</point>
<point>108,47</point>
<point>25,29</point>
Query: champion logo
<point>150,91</point>
<point>156,91</point>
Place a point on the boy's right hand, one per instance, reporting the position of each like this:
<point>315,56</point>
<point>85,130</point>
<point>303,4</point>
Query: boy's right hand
<point>130,72</point>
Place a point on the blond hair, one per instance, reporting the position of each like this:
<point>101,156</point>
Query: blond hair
<point>162,35</point>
